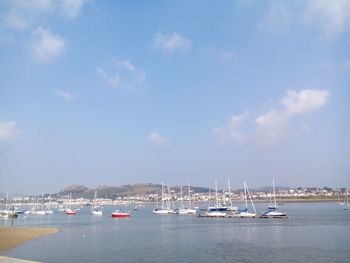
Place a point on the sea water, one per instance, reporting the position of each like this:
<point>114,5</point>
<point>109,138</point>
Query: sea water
<point>314,232</point>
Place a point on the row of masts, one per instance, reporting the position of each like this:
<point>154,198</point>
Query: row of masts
<point>168,205</point>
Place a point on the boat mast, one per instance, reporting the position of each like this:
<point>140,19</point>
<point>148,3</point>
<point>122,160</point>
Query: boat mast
<point>229,191</point>
<point>181,199</point>
<point>162,195</point>
<point>250,198</point>
<point>245,195</point>
<point>223,197</point>
<point>274,193</point>
<point>209,197</point>
<point>216,194</point>
<point>189,197</point>
<point>170,199</point>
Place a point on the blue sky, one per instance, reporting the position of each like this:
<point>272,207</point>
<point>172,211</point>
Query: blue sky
<point>116,92</point>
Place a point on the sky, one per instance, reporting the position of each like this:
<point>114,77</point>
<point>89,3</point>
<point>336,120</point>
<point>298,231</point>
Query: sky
<point>116,92</point>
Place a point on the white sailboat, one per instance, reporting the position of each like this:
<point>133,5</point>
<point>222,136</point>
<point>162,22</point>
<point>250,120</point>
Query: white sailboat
<point>272,208</point>
<point>69,211</point>
<point>95,209</point>
<point>165,209</point>
<point>231,207</point>
<point>217,210</point>
<point>187,210</point>
<point>245,213</point>
<point>217,207</point>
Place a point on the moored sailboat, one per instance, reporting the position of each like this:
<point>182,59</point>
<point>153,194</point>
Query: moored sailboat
<point>95,209</point>
<point>231,207</point>
<point>69,211</point>
<point>272,208</point>
<point>165,208</point>
<point>218,206</point>
<point>187,210</point>
<point>245,213</point>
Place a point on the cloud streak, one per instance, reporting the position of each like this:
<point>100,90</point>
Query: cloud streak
<point>168,43</point>
<point>155,137</point>
<point>232,131</point>
<point>8,130</point>
<point>273,125</point>
<point>125,75</point>
<point>64,94</point>
<point>22,14</point>
<point>46,46</point>
<point>332,18</point>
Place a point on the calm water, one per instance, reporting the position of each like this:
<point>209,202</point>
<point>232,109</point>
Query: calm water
<point>315,232</point>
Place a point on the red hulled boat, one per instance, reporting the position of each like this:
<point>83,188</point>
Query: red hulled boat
<point>120,214</point>
<point>71,212</point>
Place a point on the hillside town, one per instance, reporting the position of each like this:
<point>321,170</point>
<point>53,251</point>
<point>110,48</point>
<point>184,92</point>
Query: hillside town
<point>282,194</point>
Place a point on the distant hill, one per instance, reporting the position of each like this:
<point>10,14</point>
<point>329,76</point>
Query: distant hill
<point>113,192</point>
<point>140,189</point>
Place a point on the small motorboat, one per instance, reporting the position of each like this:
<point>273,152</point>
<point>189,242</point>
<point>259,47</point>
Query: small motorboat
<point>121,214</point>
<point>71,212</point>
<point>96,212</point>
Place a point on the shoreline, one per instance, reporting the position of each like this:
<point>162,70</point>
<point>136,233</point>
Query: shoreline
<point>296,200</point>
<point>11,237</point>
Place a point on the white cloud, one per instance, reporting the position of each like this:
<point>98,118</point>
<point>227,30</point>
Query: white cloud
<point>12,20</point>
<point>275,124</point>
<point>22,14</point>
<point>64,94</point>
<point>46,45</point>
<point>29,8</point>
<point>170,42</point>
<point>333,16</point>
<point>276,19</point>
<point>156,138</point>
<point>271,127</point>
<point>8,130</point>
<point>71,8</point>
<point>232,131</point>
<point>126,75</point>
<point>304,101</point>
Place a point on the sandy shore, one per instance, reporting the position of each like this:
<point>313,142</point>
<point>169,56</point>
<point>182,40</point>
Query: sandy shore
<point>13,236</point>
<point>15,260</point>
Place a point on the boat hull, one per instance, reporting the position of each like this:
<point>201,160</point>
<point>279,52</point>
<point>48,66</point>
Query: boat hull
<point>215,214</point>
<point>96,213</point>
<point>70,212</point>
<point>245,215</point>
<point>163,211</point>
<point>120,215</point>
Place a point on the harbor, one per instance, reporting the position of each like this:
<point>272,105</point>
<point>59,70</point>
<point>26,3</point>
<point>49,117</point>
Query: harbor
<point>90,238</point>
